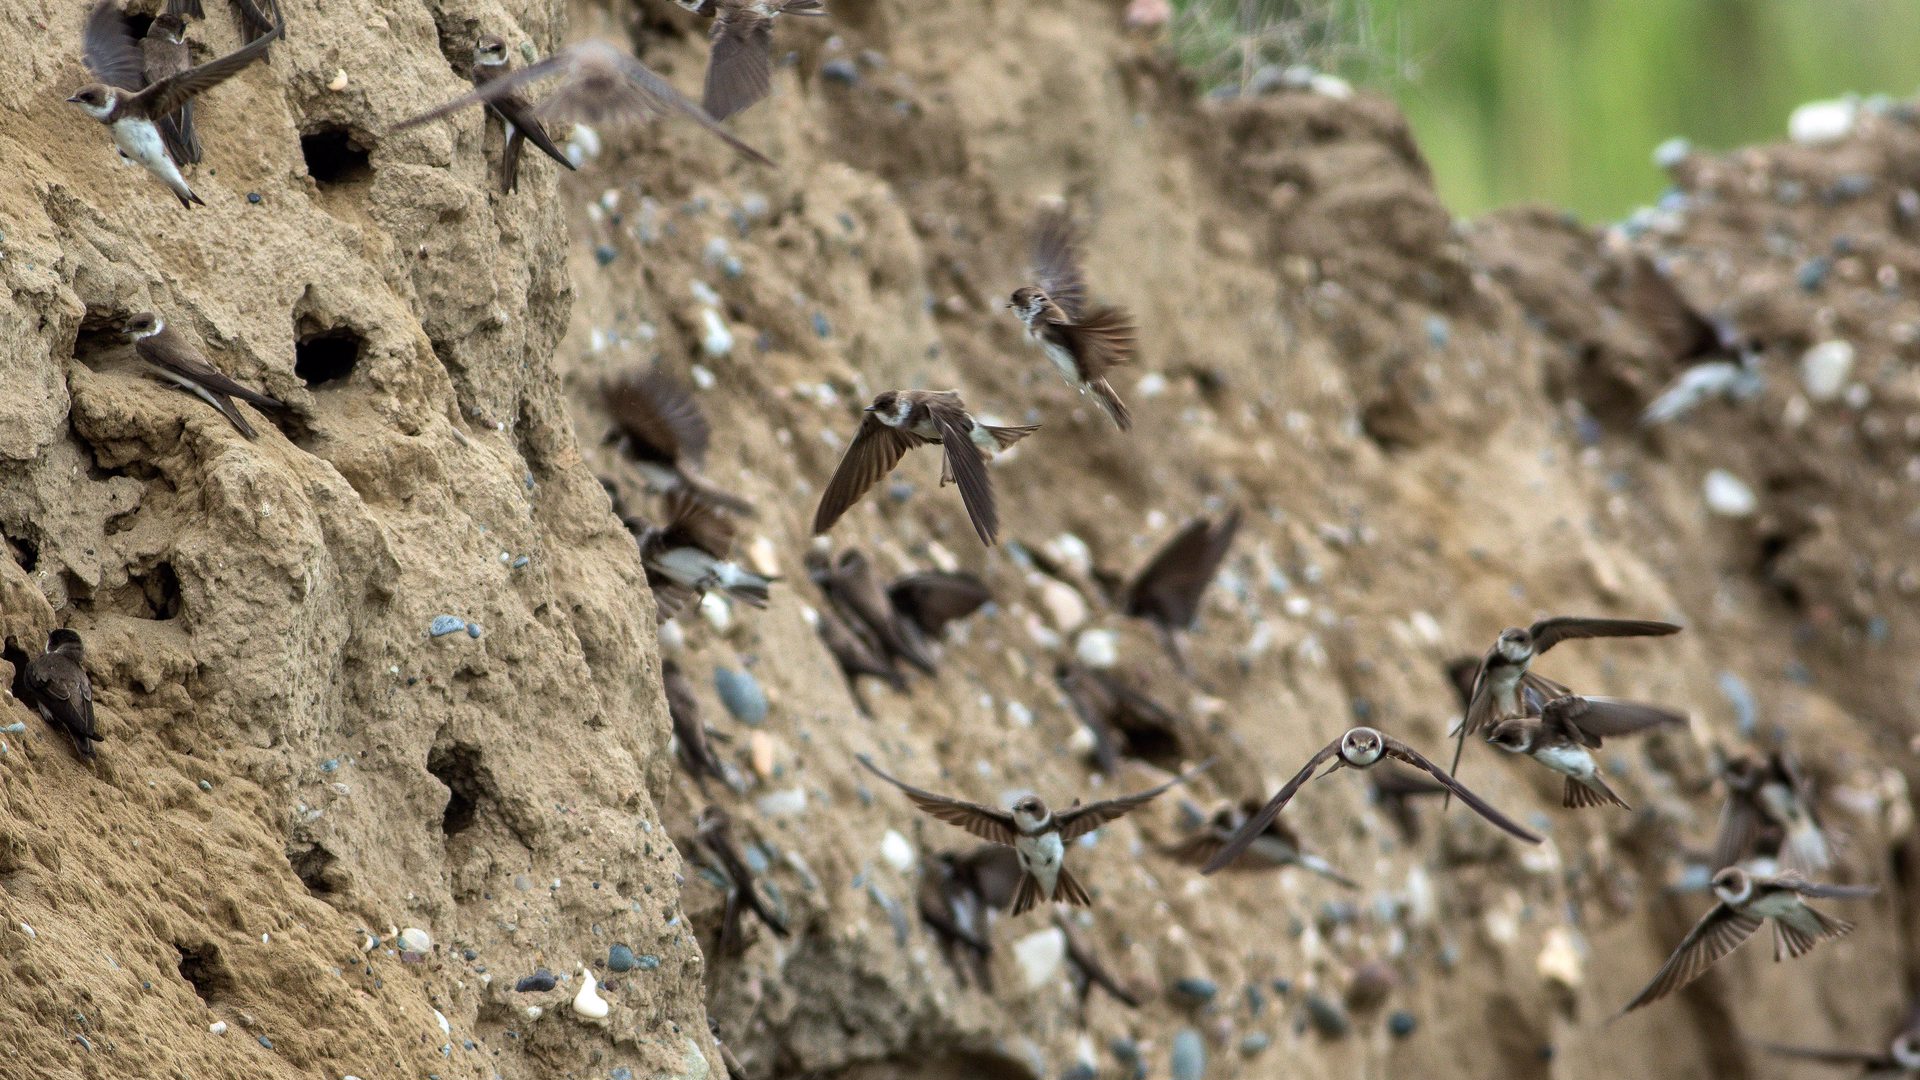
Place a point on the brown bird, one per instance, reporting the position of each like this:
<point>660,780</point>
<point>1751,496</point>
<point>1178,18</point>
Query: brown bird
<point>164,53</point>
<point>1565,730</point>
<point>688,557</point>
<point>1504,687</point>
<point>1088,971</point>
<point>257,17</point>
<point>931,599</point>
<point>1769,808</point>
<point>1746,901</point>
<point>855,592</point>
<point>1358,748</point>
<point>599,84</point>
<point>1277,847</point>
<point>856,654</point>
<point>714,829</point>
<point>735,1071</point>
<point>516,113</point>
<point>1121,719</point>
<point>661,426</point>
<point>58,687</point>
<point>690,733</point>
<point>1166,592</point>
<point>898,421</point>
<point>1037,835</point>
<point>1083,345</point>
<point>952,907</point>
<point>739,69</point>
<point>1901,1056</point>
<point>171,358</point>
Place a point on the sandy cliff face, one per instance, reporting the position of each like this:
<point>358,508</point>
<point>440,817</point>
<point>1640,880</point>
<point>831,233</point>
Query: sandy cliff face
<point>1429,426</point>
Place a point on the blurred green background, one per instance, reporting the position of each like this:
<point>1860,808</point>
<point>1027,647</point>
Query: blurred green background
<point>1563,101</point>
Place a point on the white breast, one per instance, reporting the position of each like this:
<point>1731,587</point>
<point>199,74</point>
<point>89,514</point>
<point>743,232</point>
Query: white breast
<point>688,566</point>
<point>1040,856</point>
<point>140,140</point>
<point>1569,759</point>
<point>1774,904</point>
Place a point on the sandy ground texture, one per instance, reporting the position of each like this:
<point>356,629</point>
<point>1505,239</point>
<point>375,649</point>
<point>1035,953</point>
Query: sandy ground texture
<point>1430,426</point>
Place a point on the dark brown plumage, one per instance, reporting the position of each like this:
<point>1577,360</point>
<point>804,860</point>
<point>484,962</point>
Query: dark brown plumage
<point>60,690</point>
<point>739,68</point>
<point>660,424</point>
<point>1083,345</point>
<point>520,122</point>
<point>1166,592</point>
<point>714,829</point>
<point>167,353</point>
<point>165,54</point>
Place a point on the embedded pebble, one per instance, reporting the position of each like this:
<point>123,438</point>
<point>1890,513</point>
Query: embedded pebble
<point>740,692</point>
<point>1098,648</point>
<point>1672,152</point>
<point>1819,122</point>
<point>1560,960</point>
<point>540,981</point>
<point>760,754</point>
<point>620,959</point>
<point>1327,1017</point>
<point>339,80</point>
<point>587,1003</point>
<point>15,728</point>
<point>1255,1043</point>
<point>718,613</point>
<point>414,941</point>
<point>1746,711</point>
<point>218,1027</point>
<point>1040,955</point>
<point>583,145</point>
<point>897,851</point>
<point>441,1019</point>
<point>443,625</point>
<point>840,71</point>
<point>1825,369</point>
<point>1065,609</point>
<point>1401,1023</point>
<point>1189,1055</point>
<point>1728,495</point>
<point>715,339</point>
<point>785,803</point>
<point>1196,989</point>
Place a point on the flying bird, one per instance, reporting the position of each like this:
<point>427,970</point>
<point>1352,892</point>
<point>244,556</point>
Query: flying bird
<point>1278,846</point>
<point>691,739</point>
<point>930,599</point>
<point>517,117</point>
<point>1083,343</point>
<point>898,421</point>
<point>1122,719</point>
<point>1166,592</point>
<point>121,98</point>
<point>599,84</point>
<point>164,53</point>
<point>857,655</point>
<point>1504,687</point>
<point>660,425</point>
<point>1900,1057</point>
<point>1088,971</point>
<point>1567,729</point>
<point>739,67</point>
<point>855,592</point>
<point>1037,835</point>
<point>714,829</point>
<point>1357,748</point>
<point>171,358</point>
<point>1770,804</point>
<point>688,557</point>
<point>951,905</point>
<point>1746,901</point>
<point>58,687</point>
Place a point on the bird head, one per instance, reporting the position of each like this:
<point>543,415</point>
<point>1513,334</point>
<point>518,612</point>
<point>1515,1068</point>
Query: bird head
<point>490,51</point>
<point>890,406</point>
<point>144,325</point>
<point>1515,644</point>
<point>95,99</point>
<point>1732,885</point>
<point>1362,746</point>
<point>65,641</point>
<point>1515,735</point>
<point>1030,812</point>
<point>170,27</point>
<point>1028,302</point>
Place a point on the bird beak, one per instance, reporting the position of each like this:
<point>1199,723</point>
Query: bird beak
<point>74,100</point>
<point>867,409</point>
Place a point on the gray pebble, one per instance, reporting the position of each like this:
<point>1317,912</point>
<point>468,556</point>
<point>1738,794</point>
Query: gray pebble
<point>1189,1055</point>
<point>1328,1017</point>
<point>15,728</point>
<point>740,692</point>
<point>1401,1023</point>
<point>840,71</point>
<point>473,629</point>
<point>620,958</point>
<point>540,981</point>
<point>443,625</point>
<point>1195,989</point>
<point>1255,1042</point>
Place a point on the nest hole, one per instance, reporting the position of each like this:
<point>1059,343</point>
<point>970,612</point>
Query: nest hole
<point>161,589</point>
<point>334,156</point>
<point>325,354</point>
<point>12,653</point>
<point>458,767</point>
<point>313,865</point>
<point>204,970</point>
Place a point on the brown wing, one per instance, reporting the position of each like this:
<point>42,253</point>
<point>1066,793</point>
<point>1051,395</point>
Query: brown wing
<point>1102,341</point>
<point>188,8</point>
<point>1739,824</point>
<point>168,95</point>
<point>255,18</point>
<point>1257,824</point>
<point>1396,748</point>
<point>935,598</point>
<point>1056,261</point>
<point>738,71</point>
<point>1548,632</point>
<point>63,686</point>
<point>495,90</point>
<point>168,352</point>
<point>1197,848</point>
<point>968,467</point>
<point>982,821</point>
<point>1078,821</point>
<point>692,522</point>
<point>660,416</point>
<point>609,85</point>
<point>1719,932</point>
<point>1589,719</point>
<point>108,48</point>
<point>1868,1060</point>
<point>875,450</point>
<point>1168,588</point>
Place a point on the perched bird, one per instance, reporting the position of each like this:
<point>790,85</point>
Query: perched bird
<point>1274,848</point>
<point>171,358</point>
<point>1504,687</point>
<point>1393,791</point>
<point>1901,1057</point>
<point>520,124</point>
<point>714,828</point>
<point>121,98</point>
<point>1166,592</point>
<point>660,425</point>
<point>690,733</point>
<point>57,684</point>
<point>1567,729</point>
<point>952,907</point>
<point>1770,805</point>
<point>856,654</point>
<point>1037,835</point>
<point>1088,971</point>
<point>1358,748</point>
<point>1121,719</point>
<point>599,84</point>
<point>164,54</point>
<point>1083,344</point>
<point>739,68</point>
<point>735,1071</point>
<point>930,599</point>
<point>855,591</point>
<point>687,557</point>
<point>898,421</point>
<point>1746,901</point>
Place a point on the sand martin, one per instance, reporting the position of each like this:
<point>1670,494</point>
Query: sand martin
<point>1037,835</point>
<point>57,683</point>
<point>121,98</point>
<point>599,84</point>
<point>1567,729</point>
<point>690,735</point>
<point>1747,900</point>
<point>520,125</point>
<point>1393,791</point>
<point>1278,846</point>
<point>853,588</point>
<point>164,54</point>
<point>739,69</point>
<point>952,907</point>
<point>1504,687</point>
<point>1900,1057</point>
<point>1122,719</point>
<point>1088,971</point>
<point>898,421</point>
<point>1357,748</point>
<point>1166,592</point>
<point>856,653</point>
<point>170,357</point>
<point>1770,804</point>
<point>930,599</point>
<point>687,557</point>
<point>660,425</point>
<point>1083,344</point>
<point>714,828</point>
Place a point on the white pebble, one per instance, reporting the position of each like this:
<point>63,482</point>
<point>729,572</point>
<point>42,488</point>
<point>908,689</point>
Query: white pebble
<point>588,1004</point>
<point>898,853</point>
<point>702,376</point>
<point>218,1027</point>
<point>1332,86</point>
<point>1151,385</point>
<point>1040,955</point>
<point>704,293</point>
<point>583,146</point>
<point>1560,960</point>
<point>1070,552</point>
<point>1019,715</point>
<point>714,609</point>
<point>28,930</point>
<point>535,1012</point>
<point>1819,122</point>
<point>440,1018</point>
<point>786,803</point>
<point>1728,495</point>
<point>415,940</point>
<point>1098,648</point>
<point>1672,152</point>
<point>1082,742</point>
<point>716,339</point>
<point>1065,609</point>
<point>339,80</point>
<point>1426,626</point>
<point>1825,368</point>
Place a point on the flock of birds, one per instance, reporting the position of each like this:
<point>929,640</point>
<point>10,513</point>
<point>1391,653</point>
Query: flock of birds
<point>1770,844</point>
